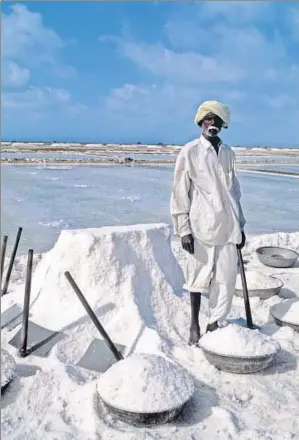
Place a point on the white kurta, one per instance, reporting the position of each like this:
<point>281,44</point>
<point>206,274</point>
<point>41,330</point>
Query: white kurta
<point>205,202</point>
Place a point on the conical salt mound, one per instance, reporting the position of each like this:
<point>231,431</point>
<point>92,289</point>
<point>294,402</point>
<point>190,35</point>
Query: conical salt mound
<point>158,385</point>
<point>128,275</point>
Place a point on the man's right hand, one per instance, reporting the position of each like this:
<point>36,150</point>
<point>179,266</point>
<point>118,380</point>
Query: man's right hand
<point>188,243</point>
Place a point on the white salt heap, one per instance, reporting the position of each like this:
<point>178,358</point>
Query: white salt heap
<point>287,311</point>
<point>8,366</point>
<point>257,280</point>
<point>125,273</point>
<point>134,284</point>
<point>109,264</point>
<point>234,340</point>
<point>145,383</point>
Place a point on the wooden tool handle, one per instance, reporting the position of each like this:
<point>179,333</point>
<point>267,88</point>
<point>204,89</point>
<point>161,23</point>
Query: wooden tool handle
<point>245,290</point>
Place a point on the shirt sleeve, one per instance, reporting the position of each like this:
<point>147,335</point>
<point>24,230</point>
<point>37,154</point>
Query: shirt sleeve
<point>180,201</point>
<point>237,194</point>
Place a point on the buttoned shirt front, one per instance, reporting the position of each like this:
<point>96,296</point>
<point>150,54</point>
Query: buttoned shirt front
<point>205,198</point>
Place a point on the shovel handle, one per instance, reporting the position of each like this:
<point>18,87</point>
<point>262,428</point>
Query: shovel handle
<point>11,262</point>
<point>245,290</point>
<point>3,251</point>
<point>117,354</point>
<point>24,332</point>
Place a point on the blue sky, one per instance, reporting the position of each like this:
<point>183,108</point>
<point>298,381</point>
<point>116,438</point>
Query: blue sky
<point>137,71</point>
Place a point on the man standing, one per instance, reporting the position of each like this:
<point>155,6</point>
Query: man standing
<point>207,216</point>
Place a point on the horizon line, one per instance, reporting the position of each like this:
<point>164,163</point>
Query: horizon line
<point>135,143</point>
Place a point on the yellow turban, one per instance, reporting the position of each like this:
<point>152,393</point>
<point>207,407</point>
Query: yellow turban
<point>215,107</point>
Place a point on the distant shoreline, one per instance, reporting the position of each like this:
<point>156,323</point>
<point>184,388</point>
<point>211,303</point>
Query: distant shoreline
<point>69,164</point>
<point>126,161</point>
<point>60,164</point>
<point>57,144</point>
<point>133,149</point>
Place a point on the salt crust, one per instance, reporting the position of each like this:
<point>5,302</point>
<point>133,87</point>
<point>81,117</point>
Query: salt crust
<point>256,280</point>
<point>234,340</point>
<point>145,383</point>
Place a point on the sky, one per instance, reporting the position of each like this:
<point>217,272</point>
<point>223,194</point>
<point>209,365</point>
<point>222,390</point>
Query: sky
<point>137,71</point>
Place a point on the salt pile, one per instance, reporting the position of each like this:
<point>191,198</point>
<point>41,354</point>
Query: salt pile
<point>287,311</point>
<point>144,383</point>
<point>8,366</point>
<point>129,276</point>
<point>60,397</point>
<point>109,264</point>
<point>234,340</point>
<point>256,280</point>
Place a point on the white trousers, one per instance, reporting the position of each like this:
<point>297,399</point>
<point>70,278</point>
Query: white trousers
<point>213,269</point>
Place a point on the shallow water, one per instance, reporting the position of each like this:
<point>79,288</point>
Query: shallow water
<point>44,201</point>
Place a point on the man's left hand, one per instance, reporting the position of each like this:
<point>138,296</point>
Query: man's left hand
<point>242,244</point>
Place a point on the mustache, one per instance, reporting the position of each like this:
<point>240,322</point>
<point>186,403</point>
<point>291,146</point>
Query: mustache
<point>213,128</point>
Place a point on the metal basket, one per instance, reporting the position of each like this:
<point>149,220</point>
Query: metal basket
<point>286,324</point>
<point>274,256</point>
<point>262,293</point>
<point>144,419</point>
<point>278,319</point>
<point>239,364</point>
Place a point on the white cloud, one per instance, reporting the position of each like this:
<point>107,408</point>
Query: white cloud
<point>236,12</point>
<point>221,58</point>
<point>161,108</point>
<point>28,46</point>
<point>13,75</point>
<point>247,50</point>
<point>25,38</point>
<point>216,50</point>
<point>167,100</point>
<point>130,99</point>
<point>180,66</point>
<point>225,52</point>
<point>143,110</point>
<point>35,98</point>
<point>219,52</point>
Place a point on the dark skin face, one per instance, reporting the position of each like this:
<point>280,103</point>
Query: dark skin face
<point>211,120</point>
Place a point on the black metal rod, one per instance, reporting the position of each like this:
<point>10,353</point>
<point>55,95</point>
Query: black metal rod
<point>93,317</point>
<point>11,262</point>
<point>24,331</point>
<point>245,290</point>
<point>3,251</point>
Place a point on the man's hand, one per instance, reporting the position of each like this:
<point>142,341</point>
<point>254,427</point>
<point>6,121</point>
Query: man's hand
<point>188,243</point>
<point>242,244</point>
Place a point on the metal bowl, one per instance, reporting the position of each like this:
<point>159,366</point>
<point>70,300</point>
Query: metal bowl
<point>262,293</point>
<point>239,364</point>
<point>144,419</point>
<point>286,324</point>
<point>133,414</point>
<point>274,311</point>
<point>274,256</point>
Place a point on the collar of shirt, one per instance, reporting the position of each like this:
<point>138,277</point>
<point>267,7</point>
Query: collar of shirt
<point>207,144</point>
